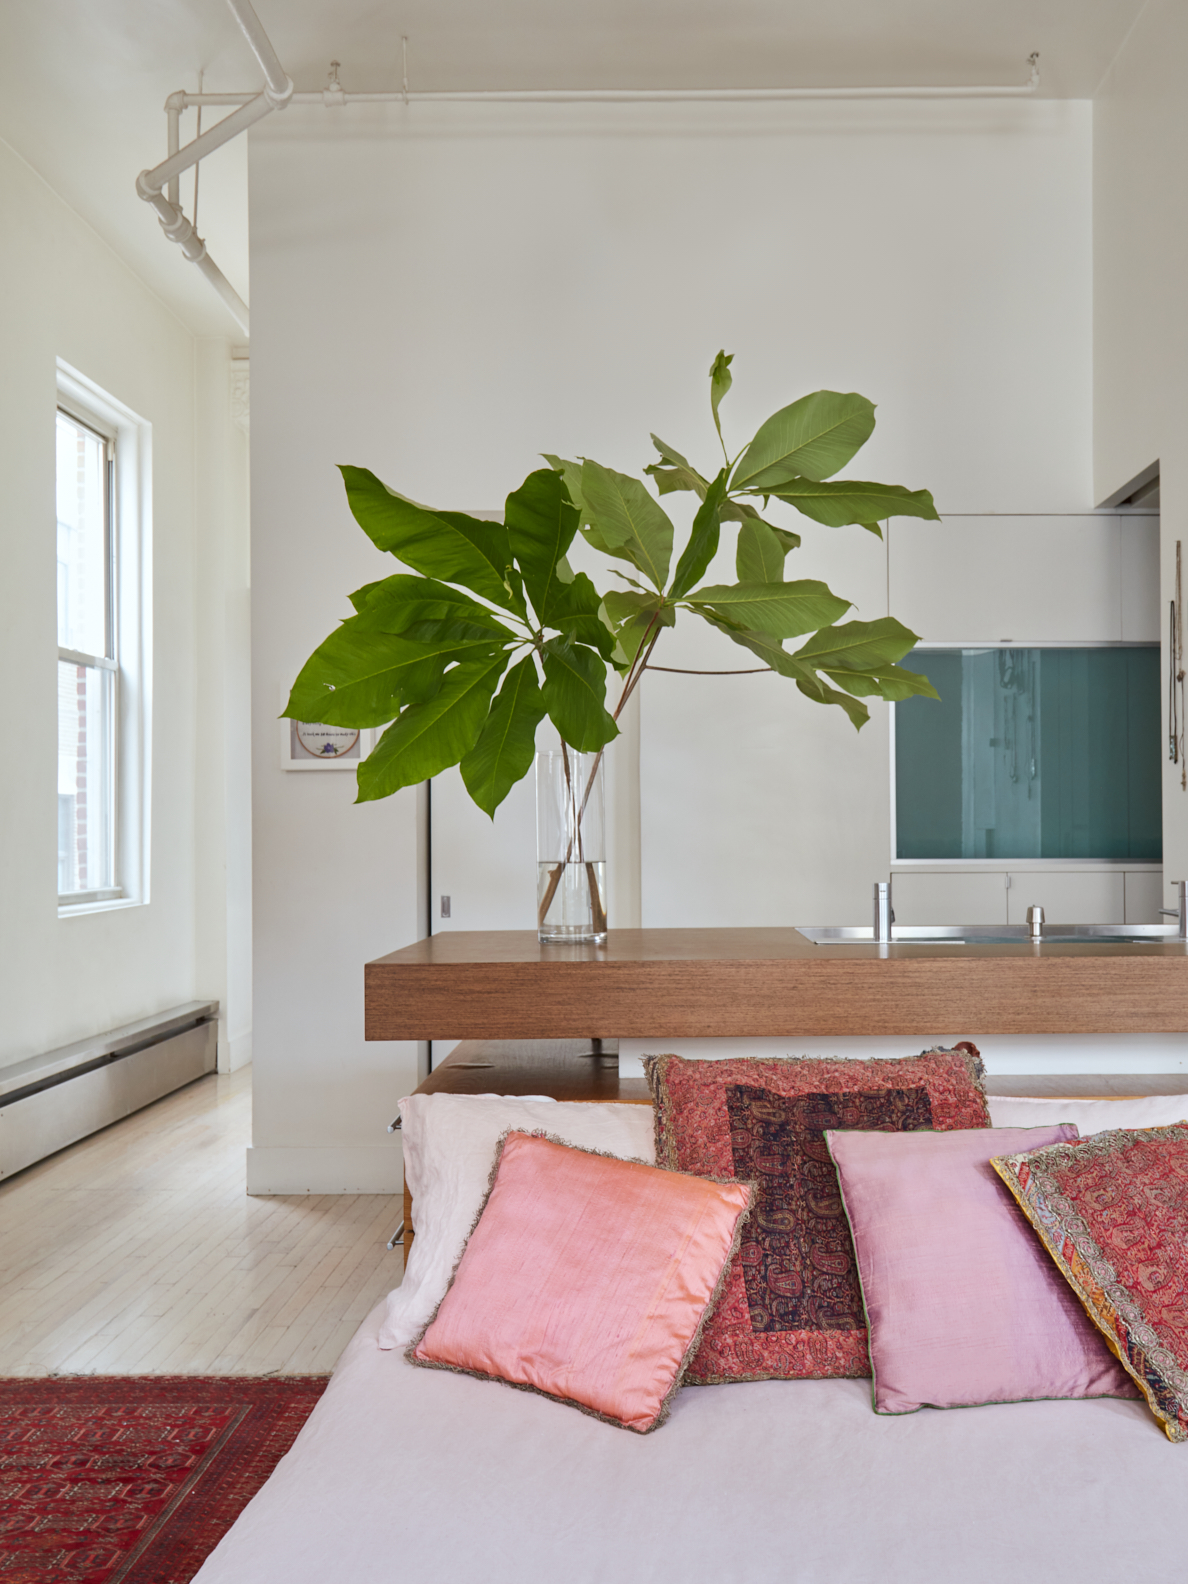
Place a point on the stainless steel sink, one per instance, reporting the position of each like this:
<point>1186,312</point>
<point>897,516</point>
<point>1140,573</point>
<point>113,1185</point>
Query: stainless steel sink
<point>993,934</point>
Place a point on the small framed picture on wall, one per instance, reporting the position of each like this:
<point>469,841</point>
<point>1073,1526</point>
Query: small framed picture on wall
<point>308,745</point>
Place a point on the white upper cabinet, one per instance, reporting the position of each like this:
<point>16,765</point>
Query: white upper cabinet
<point>1046,579</point>
<point>1139,562</point>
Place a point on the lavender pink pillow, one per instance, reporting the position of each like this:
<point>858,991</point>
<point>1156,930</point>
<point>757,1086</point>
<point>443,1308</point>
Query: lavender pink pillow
<point>587,1279</point>
<point>963,1304</point>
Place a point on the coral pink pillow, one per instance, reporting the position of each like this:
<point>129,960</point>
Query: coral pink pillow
<point>963,1305</point>
<point>587,1279</point>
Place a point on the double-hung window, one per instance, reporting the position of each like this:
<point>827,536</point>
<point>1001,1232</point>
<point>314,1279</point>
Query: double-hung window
<point>88,661</point>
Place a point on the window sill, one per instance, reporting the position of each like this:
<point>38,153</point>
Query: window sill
<point>110,905</point>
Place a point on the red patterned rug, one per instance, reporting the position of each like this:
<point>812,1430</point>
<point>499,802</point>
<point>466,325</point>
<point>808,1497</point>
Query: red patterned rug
<point>134,1479</point>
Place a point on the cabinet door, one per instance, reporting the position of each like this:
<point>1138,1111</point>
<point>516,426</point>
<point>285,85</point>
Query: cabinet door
<point>1021,579</point>
<point>1141,605</point>
<point>1144,897</point>
<point>1096,897</point>
<point>945,898</point>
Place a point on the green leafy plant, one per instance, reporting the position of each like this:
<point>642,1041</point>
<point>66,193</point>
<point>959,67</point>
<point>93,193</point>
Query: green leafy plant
<point>492,628</point>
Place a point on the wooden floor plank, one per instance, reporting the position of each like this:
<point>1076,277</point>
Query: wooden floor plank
<point>137,1251</point>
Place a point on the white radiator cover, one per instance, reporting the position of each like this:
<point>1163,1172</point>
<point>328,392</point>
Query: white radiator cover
<point>77,1103</point>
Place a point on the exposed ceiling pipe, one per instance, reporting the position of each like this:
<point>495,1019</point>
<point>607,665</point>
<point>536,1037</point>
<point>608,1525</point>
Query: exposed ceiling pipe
<point>152,184</point>
<point>278,85</point>
<point>255,109</point>
<point>336,95</point>
<point>278,92</point>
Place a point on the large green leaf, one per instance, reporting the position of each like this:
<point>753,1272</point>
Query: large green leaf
<point>813,438</point>
<point>575,608</point>
<point>507,742</point>
<point>813,688</point>
<point>573,596</point>
<point>541,523</point>
<point>405,599</point>
<point>633,634</point>
<point>772,652</point>
<point>858,646</point>
<point>360,676</point>
<point>703,540</point>
<point>591,630</point>
<point>783,610</point>
<point>855,501</point>
<point>571,477</point>
<point>741,511</point>
<point>768,648</point>
<point>401,603</point>
<point>428,738</point>
<point>571,473</point>
<point>890,682</point>
<point>675,472</point>
<point>574,693</point>
<point>860,658</point>
<point>448,545</point>
<point>629,519</point>
<point>721,380</point>
<point>634,618</point>
<point>621,606</point>
<point>760,553</point>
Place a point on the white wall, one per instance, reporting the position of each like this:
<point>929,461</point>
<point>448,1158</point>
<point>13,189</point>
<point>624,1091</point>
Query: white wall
<point>222,723</point>
<point>333,885</point>
<point>1140,149</point>
<point>64,294</point>
<point>440,293</point>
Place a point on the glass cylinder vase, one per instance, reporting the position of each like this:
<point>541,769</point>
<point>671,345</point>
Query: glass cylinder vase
<point>570,847</point>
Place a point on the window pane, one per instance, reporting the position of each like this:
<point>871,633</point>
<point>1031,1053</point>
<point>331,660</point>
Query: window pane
<point>82,538</point>
<point>1031,753</point>
<point>85,719</point>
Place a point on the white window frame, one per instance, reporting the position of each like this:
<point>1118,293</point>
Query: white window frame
<point>130,640</point>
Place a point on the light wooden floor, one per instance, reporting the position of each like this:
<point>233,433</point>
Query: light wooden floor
<point>138,1252</point>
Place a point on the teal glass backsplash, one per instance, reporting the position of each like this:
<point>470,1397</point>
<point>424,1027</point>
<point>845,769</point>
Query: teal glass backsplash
<point>1031,753</point>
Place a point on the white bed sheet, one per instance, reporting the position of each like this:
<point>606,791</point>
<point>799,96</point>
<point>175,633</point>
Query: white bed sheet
<point>411,1476</point>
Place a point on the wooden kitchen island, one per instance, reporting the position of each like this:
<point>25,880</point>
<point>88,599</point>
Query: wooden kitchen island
<point>504,985</point>
<point>539,1019</point>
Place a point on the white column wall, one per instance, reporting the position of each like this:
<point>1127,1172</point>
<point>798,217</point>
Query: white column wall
<point>223,836</point>
<point>440,293</point>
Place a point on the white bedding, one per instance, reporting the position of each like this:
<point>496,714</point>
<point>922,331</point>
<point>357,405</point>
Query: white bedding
<point>410,1476</point>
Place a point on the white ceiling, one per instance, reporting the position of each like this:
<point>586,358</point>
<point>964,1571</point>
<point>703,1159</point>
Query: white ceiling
<point>83,82</point>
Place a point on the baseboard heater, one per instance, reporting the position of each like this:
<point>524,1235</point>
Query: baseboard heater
<point>56,1099</point>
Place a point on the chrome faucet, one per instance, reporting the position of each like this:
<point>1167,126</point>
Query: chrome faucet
<point>884,913</point>
<point>1180,913</point>
<point>1035,920</point>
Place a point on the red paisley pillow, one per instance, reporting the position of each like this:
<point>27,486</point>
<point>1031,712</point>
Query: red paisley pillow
<point>1112,1211</point>
<point>791,1308</point>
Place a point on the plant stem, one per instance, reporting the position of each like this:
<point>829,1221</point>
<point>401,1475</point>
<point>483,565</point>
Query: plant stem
<point>635,671</point>
<point>684,671</point>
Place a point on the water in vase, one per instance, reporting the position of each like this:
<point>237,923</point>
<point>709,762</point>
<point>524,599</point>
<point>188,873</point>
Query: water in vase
<point>571,901</point>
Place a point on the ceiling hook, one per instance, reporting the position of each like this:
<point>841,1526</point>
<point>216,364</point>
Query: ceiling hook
<point>332,93</point>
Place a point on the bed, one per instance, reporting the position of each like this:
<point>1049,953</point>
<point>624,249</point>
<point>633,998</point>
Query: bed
<point>408,1476</point>
<point>412,1476</point>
